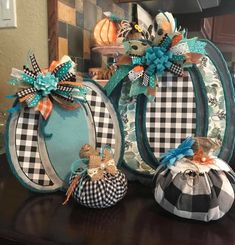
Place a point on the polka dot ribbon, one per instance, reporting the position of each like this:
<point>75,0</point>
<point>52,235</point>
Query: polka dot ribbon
<point>38,88</point>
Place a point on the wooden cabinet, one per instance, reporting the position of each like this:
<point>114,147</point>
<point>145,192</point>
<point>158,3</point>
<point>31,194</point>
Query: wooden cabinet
<point>219,29</point>
<point>224,29</point>
<point>207,27</point>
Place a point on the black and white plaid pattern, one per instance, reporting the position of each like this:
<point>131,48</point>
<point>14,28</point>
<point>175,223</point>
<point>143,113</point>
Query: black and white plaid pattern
<point>206,197</point>
<point>104,126</point>
<point>172,116</point>
<point>35,64</point>
<point>69,77</point>
<point>26,91</point>
<point>64,88</point>
<point>27,147</point>
<point>176,70</point>
<point>101,193</point>
<point>29,73</point>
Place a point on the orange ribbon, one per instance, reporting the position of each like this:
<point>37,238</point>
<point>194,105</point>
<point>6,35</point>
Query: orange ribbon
<point>202,158</point>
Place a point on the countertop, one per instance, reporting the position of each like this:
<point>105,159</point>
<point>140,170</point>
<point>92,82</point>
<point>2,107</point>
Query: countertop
<point>32,218</point>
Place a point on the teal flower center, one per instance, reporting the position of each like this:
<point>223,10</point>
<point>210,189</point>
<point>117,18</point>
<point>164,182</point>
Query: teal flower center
<point>46,83</point>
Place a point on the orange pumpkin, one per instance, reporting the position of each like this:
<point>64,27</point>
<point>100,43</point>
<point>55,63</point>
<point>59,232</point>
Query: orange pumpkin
<point>105,32</point>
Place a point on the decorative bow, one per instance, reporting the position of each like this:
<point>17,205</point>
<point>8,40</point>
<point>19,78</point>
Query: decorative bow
<point>184,149</point>
<point>94,166</point>
<point>172,54</point>
<point>38,87</point>
<point>97,166</point>
<point>201,157</point>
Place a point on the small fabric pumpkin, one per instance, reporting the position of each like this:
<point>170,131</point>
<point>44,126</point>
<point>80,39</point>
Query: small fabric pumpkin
<point>200,187</point>
<point>96,183</point>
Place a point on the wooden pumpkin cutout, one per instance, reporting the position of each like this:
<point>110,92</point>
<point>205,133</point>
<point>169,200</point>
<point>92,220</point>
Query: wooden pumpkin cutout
<point>105,32</point>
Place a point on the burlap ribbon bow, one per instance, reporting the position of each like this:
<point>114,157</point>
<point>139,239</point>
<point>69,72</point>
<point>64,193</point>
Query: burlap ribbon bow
<point>98,166</point>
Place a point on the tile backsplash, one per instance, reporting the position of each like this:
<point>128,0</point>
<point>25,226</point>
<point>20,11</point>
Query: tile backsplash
<point>76,21</point>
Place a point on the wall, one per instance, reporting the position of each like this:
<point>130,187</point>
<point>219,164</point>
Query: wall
<point>30,34</point>
<point>76,21</point>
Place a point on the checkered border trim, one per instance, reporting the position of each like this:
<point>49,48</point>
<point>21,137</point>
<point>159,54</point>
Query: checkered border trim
<point>172,116</point>
<point>105,134</point>
<point>27,147</point>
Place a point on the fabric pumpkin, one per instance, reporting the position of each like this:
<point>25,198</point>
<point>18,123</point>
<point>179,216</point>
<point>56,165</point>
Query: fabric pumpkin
<point>101,193</point>
<point>96,182</point>
<point>195,191</point>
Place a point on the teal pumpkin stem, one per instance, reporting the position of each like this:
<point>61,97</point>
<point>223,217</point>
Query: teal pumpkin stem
<point>184,149</point>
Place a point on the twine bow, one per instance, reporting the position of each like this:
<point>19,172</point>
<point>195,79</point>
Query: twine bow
<point>98,166</point>
<point>38,87</point>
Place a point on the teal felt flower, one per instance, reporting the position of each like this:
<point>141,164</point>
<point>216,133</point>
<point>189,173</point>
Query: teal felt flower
<point>46,83</point>
<point>157,59</point>
<point>184,149</point>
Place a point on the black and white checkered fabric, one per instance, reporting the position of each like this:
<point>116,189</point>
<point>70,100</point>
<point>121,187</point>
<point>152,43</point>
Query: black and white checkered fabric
<point>69,77</point>
<point>27,147</point>
<point>205,196</point>
<point>34,63</point>
<point>172,116</point>
<point>29,73</point>
<point>176,70</point>
<point>64,88</point>
<point>24,92</point>
<point>101,193</point>
<point>56,70</point>
<point>105,134</point>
